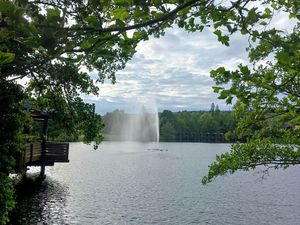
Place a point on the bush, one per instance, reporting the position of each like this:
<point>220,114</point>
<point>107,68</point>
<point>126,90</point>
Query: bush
<point>11,119</point>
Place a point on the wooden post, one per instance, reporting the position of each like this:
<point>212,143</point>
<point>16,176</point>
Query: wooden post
<point>44,133</point>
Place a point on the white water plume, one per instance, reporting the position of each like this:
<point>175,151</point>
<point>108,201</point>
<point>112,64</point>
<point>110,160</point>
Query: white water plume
<point>142,126</point>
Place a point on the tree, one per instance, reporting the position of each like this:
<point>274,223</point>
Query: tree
<point>268,102</point>
<point>208,123</point>
<point>167,132</point>
<point>11,120</point>
<point>191,125</point>
<point>52,43</point>
<point>212,108</point>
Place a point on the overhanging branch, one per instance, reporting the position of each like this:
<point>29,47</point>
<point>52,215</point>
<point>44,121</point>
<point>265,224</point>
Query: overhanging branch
<point>163,18</point>
<point>275,162</point>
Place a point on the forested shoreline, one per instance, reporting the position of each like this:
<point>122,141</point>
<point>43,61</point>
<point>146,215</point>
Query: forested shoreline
<point>196,126</point>
<point>182,126</point>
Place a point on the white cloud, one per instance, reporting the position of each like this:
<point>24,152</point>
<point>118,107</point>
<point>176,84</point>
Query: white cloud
<point>174,70</point>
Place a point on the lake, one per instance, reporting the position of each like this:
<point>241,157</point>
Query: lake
<point>158,183</point>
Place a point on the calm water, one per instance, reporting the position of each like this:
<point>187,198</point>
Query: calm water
<point>133,183</point>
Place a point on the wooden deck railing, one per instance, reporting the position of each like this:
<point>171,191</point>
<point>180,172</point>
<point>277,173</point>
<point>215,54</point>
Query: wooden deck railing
<point>54,152</point>
<point>57,152</point>
<point>33,152</point>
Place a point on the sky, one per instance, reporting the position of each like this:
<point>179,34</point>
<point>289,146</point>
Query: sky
<point>173,73</point>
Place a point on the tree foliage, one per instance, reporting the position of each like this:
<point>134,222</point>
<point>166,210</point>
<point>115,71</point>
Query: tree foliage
<point>267,94</point>
<point>193,124</point>
<point>11,120</point>
<point>172,125</point>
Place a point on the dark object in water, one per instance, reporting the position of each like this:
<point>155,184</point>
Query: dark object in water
<point>158,149</point>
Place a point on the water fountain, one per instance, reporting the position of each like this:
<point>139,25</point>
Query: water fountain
<point>143,126</point>
<point>157,125</point>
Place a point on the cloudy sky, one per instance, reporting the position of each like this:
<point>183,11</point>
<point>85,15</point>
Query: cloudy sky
<point>172,71</point>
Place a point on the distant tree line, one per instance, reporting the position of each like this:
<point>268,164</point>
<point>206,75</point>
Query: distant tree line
<point>184,126</point>
<point>114,122</point>
<point>196,126</point>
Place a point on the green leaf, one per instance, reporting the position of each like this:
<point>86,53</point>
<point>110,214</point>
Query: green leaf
<point>92,20</point>
<point>181,23</point>
<point>225,40</point>
<point>192,21</point>
<point>217,89</point>
<point>53,12</point>
<point>222,38</point>
<point>268,12</point>
<point>224,94</point>
<point>244,31</point>
<point>254,35</point>
<point>283,58</point>
<point>6,57</point>
<point>86,44</point>
<point>274,5</point>
<point>252,16</point>
<point>218,33</point>
<point>263,23</point>
<point>120,13</point>
<point>229,100</point>
<point>245,70</point>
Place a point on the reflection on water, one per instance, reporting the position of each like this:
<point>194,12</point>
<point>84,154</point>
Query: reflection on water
<point>41,203</point>
<point>126,183</point>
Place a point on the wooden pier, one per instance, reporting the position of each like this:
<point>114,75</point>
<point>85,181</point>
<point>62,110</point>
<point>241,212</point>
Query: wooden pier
<point>42,153</point>
<point>54,152</point>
